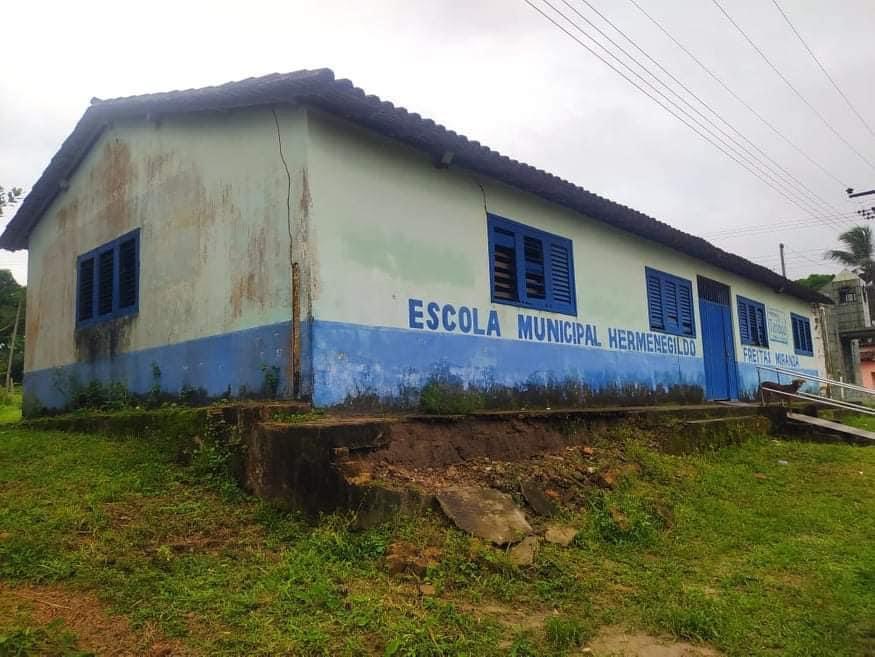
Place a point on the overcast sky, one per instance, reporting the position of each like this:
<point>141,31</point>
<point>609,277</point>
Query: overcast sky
<point>498,72</point>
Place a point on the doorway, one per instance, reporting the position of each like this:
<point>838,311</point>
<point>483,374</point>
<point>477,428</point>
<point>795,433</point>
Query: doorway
<point>718,343</point>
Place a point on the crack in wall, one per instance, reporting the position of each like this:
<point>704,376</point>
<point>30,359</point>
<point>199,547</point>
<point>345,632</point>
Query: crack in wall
<point>295,351</point>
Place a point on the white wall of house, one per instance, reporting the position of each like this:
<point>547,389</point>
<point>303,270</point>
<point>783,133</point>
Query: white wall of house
<point>209,194</point>
<point>391,227</point>
<point>379,234</point>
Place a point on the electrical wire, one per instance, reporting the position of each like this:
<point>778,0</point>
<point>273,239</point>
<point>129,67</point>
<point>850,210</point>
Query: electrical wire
<point>761,229</point>
<point>735,95</point>
<point>823,68</point>
<point>787,175</point>
<point>791,85</point>
<point>737,148</point>
<point>704,135</point>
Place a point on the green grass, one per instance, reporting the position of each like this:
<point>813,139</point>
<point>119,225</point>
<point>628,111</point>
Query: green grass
<point>860,421</point>
<point>782,563</point>
<point>10,406</point>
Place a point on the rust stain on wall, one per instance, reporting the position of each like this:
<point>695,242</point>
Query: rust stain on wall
<point>155,165</point>
<point>67,216</point>
<point>251,285</point>
<point>111,177</point>
<point>306,201</point>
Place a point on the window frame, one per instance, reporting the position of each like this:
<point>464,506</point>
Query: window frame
<point>548,240</point>
<point>114,247</point>
<point>755,305</point>
<point>805,322</point>
<point>680,283</point>
<point>848,294</point>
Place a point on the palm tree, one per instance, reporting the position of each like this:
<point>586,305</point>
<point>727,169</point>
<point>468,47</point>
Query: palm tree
<point>859,255</point>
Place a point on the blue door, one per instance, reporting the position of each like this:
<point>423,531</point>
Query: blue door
<point>718,345</point>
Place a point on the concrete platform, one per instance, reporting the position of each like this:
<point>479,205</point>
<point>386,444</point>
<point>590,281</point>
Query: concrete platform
<point>833,430</point>
<point>360,463</point>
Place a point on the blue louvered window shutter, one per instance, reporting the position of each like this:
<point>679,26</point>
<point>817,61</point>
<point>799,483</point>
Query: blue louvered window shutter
<point>743,323</point>
<point>536,275</point>
<point>504,264</point>
<point>669,303</point>
<point>802,341</point>
<point>530,268</point>
<point>562,277</point>
<point>654,301</point>
<point>128,262</point>
<point>85,290</point>
<point>108,281</point>
<point>762,333</point>
<point>752,323</point>
<point>685,308</point>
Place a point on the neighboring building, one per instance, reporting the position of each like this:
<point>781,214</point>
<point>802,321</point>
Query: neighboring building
<point>291,235</point>
<point>867,366</point>
<point>850,334</point>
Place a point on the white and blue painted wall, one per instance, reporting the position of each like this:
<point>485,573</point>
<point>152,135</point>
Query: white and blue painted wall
<point>213,314</point>
<point>403,292</point>
<point>396,284</point>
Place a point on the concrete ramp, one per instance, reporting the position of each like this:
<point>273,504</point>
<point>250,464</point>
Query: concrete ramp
<point>834,430</point>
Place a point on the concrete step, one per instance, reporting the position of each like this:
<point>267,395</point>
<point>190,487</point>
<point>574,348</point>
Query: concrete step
<point>831,430</point>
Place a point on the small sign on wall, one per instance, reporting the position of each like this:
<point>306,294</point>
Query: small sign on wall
<point>778,325</point>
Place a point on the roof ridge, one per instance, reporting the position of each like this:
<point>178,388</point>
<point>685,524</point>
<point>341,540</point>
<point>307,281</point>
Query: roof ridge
<point>322,74</point>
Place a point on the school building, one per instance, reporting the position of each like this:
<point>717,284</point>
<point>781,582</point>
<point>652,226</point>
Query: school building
<point>292,236</point>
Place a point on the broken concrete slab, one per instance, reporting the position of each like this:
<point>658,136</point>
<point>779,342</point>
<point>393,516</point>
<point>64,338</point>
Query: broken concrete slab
<point>560,535</point>
<point>537,498</point>
<point>485,513</point>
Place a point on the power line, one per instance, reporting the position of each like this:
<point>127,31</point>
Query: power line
<point>791,85</point>
<point>823,68</point>
<point>738,98</point>
<point>769,256</point>
<point>706,136</point>
<point>804,188</point>
<point>738,149</point>
<point>769,228</point>
<point>804,257</point>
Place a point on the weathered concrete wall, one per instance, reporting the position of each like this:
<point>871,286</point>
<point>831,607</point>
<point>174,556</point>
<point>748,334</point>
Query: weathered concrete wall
<point>209,193</point>
<point>391,228</point>
<point>376,229</point>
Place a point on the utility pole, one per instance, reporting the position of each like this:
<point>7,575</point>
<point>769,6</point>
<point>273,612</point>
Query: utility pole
<point>12,343</point>
<point>783,266</point>
<point>865,213</point>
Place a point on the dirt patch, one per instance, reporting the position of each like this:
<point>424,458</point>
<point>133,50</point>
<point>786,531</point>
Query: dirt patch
<point>616,642</point>
<point>103,634</point>
<point>519,619</point>
<point>440,444</point>
<point>565,475</point>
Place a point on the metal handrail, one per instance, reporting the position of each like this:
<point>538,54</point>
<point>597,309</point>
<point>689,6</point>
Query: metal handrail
<point>810,377</point>
<point>848,406</point>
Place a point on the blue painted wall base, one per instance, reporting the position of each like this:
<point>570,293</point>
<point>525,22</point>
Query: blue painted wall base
<point>217,364</point>
<point>344,364</point>
<point>352,362</point>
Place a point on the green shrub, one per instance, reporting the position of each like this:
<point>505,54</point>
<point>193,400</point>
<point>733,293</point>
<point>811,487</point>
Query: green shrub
<point>441,398</point>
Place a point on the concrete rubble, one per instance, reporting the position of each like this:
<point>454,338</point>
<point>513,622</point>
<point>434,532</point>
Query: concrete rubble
<point>485,513</point>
